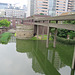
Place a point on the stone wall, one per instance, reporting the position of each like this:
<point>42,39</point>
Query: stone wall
<point>24,31</point>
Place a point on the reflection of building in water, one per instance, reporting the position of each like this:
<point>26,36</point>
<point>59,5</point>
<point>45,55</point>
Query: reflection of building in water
<point>12,39</point>
<point>57,62</point>
<point>54,58</point>
<point>50,55</point>
<point>29,54</point>
<point>36,66</point>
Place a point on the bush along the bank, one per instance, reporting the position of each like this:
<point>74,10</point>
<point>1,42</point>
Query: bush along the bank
<point>66,41</point>
<point>4,37</point>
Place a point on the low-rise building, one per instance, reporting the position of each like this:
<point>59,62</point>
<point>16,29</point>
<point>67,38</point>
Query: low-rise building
<point>12,13</point>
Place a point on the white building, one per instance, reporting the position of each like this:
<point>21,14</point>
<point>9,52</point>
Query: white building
<point>30,8</point>
<point>2,12</point>
<point>12,13</point>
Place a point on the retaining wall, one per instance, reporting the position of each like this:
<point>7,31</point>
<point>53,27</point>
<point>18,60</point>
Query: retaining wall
<point>24,31</point>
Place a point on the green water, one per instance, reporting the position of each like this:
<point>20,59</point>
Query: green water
<point>26,57</point>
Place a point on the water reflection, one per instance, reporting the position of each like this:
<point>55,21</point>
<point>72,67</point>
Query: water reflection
<point>47,61</point>
<point>11,39</point>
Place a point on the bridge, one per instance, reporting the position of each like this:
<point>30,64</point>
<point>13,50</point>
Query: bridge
<point>45,22</point>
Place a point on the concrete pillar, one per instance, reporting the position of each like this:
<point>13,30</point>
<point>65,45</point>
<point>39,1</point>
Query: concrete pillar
<point>42,32</point>
<point>72,72</point>
<point>73,62</point>
<point>37,31</point>
<point>48,32</point>
<point>54,43</point>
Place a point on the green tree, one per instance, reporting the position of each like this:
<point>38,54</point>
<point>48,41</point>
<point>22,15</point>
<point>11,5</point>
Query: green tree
<point>63,32</point>
<point>41,14</point>
<point>5,23</point>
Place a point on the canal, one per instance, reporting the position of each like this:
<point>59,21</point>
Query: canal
<point>27,57</point>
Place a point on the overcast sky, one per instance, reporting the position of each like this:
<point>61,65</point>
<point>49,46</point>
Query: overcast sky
<point>17,2</point>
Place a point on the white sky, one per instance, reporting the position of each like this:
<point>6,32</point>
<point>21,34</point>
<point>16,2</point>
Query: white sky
<point>19,2</point>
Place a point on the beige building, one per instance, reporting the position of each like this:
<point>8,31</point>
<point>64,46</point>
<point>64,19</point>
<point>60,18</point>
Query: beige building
<point>71,5</point>
<point>51,7</point>
<point>61,6</point>
<point>37,7</point>
<point>41,7</point>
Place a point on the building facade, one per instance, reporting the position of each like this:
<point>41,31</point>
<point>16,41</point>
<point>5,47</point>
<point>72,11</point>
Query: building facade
<point>37,7</point>
<point>41,7</point>
<point>12,13</point>
<point>3,5</point>
<point>60,7</point>
<point>71,5</point>
<point>50,7</point>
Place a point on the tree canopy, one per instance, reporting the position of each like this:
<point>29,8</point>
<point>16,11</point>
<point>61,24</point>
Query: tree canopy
<point>5,23</point>
<point>63,32</point>
<point>41,14</point>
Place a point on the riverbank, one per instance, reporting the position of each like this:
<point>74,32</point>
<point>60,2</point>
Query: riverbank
<point>66,41</point>
<point>4,37</point>
<point>59,39</point>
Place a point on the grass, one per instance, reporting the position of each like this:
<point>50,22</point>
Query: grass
<point>4,37</point>
<point>40,37</point>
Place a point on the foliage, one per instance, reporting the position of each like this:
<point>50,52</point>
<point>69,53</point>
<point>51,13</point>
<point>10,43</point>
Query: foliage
<point>5,23</point>
<point>63,32</point>
<point>52,21</point>
<point>41,14</point>
<point>72,34</point>
<point>66,41</point>
<point>69,22</point>
<point>40,37</point>
<point>4,37</point>
<point>15,34</point>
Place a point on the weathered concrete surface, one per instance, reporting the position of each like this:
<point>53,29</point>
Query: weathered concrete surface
<point>12,31</point>
<point>24,31</point>
<point>59,26</point>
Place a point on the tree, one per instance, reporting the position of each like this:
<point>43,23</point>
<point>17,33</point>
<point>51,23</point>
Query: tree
<point>63,32</point>
<point>5,23</point>
<point>41,14</point>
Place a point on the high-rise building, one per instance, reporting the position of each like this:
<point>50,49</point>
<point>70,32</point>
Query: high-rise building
<point>24,7</point>
<point>3,5</point>
<point>41,7</point>
<point>71,5</point>
<point>60,6</point>
<point>52,7</point>
<point>37,7</point>
<point>30,8</point>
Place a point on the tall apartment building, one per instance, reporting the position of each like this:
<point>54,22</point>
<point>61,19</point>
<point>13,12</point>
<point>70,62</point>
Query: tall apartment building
<point>61,6</point>
<point>37,7</point>
<point>30,8</point>
<point>51,7</point>
<point>41,7</point>
<point>3,5</point>
<point>71,5</point>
